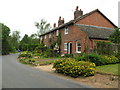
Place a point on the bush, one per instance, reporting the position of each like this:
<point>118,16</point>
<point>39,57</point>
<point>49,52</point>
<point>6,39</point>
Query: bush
<point>118,56</point>
<point>111,59</point>
<point>25,54</point>
<point>67,56</point>
<point>98,59</point>
<point>74,68</point>
<point>50,53</point>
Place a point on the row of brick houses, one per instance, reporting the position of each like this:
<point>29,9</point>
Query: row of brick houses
<point>81,33</point>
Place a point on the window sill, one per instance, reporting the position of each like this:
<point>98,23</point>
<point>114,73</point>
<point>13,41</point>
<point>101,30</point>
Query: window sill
<point>66,33</point>
<point>78,52</point>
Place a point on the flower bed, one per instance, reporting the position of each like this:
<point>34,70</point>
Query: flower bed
<point>74,68</point>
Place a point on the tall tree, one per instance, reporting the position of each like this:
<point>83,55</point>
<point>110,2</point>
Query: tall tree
<point>115,36</point>
<point>43,26</point>
<point>25,39</point>
<point>6,47</point>
<point>34,39</point>
<point>15,39</point>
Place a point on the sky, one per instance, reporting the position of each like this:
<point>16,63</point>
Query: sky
<point>21,15</point>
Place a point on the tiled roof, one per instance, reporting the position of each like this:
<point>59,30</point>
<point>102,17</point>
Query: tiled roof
<point>77,19</point>
<point>96,32</point>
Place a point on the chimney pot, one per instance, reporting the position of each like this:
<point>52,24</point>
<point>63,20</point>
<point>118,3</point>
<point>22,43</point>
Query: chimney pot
<point>54,25</point>
<point>78,13</point>
<point>77,8</point>
<point>60,18</point>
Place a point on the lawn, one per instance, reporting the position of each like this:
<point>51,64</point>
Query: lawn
<point>110,69</point>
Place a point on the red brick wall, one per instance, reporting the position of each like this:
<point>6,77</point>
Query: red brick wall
<point>74,34</point>
<point>95,19</point>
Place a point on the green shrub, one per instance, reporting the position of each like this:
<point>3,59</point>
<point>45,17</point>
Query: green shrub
<point>118,56</point>
<point>74,68</point>
<point>97,59</point>
<point>67,56</point>
<point>111,59</point>
<point>50,53</point>
<point>25,54</point>
<point>37,54</point>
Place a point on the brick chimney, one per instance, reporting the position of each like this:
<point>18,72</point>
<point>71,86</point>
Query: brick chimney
<point>54,25</point>
<point>60,21</point>
<point>77,12</point>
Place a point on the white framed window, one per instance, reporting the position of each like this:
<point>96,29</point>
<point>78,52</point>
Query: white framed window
<point>45,36</point>
<point>49,35</point>
<point>66,30</point>
<point>65,47</point>
<point>78,47</point>
<point>57,32</point>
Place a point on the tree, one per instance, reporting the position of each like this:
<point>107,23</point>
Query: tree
<point>29,42</point>
<point>34,39</point>
<point>115,36</point>
<point>43,26</point>
<point>15,39</point>
<point>6,47</point>
<point>25,39</point>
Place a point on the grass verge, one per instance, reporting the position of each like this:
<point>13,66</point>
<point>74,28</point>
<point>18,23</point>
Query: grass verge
<point>109,69</point>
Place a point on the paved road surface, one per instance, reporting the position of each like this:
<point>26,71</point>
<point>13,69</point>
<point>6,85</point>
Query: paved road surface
<point>17,75</point>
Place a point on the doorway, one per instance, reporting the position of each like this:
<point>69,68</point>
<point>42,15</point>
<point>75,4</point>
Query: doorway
<point>70,48</point>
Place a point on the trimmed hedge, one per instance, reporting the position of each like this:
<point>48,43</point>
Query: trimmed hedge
<point>74,68</point>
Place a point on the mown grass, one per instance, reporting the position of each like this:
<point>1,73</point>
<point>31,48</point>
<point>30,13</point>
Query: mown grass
<point>109,69</point>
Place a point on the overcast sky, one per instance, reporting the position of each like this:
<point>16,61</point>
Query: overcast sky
<point>21,14</point>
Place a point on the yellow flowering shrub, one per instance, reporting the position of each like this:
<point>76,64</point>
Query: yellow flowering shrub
<point>111,59</point>
<point>74,68</point>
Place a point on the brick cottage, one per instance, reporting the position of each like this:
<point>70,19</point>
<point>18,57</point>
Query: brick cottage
<point>80,34</point>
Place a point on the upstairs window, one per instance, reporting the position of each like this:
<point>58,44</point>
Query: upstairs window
<point>66,30</point>
<point>57,32</point>
<point>78,47</point>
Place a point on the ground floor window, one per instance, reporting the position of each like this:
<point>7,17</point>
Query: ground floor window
<point>78,47</point>
<point>65,46</point>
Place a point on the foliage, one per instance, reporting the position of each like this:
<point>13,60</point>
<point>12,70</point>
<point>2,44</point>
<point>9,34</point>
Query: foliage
<point>29,43</point>
<point>25,39</point>
<point>115,36</point>
<point>104,48</point>
<point>6,46</point>
<point>59,39</point>
<point>14,39</point>
<point>74,68</point>
<point>98,59</point>
<point>50,53</point>
<point>40,48</point>
<point>25,54</point>
<point>118,56</point>
<point>111,60</point>
<point>67,56</point>
<point>43,26</point>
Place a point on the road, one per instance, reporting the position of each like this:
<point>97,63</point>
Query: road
<point>17,75</point>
